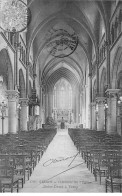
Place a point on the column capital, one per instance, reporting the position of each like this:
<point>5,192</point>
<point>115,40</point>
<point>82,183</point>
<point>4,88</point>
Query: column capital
<point>23,101</point>
<point>100,100</point>
<point>12,95</point>
<point>112,93</point>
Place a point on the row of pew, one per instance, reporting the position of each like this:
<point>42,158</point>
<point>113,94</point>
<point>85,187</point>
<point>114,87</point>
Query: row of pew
<point>19,155</point>
<point>102,154</point>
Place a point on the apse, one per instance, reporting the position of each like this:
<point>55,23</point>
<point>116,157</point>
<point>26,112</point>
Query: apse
<point>62,95</point>
<point>62,101</point>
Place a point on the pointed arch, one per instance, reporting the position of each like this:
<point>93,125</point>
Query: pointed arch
<point>6,69</point>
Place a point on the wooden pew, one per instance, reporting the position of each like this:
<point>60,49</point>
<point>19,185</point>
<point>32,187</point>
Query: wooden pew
<point>30,145</point>
<point>7,178</point>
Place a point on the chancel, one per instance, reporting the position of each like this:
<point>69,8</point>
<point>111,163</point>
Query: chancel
<point>62,101</point>
<point>60,96</point>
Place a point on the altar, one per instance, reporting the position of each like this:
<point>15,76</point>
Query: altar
<point>62,124</point>
<point>67,115</point>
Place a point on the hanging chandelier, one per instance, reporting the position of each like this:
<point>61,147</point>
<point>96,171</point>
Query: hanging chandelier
<point>15,15</point>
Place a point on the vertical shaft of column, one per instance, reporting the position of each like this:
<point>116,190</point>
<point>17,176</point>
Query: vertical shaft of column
<point>44,109</point>
<point>108,116</point>
<point>45,98</point>
<point>78,107</point>
<point>27,78</point>
<point>23,113</point>
<point>114,114</point>
<point>119,118</point>
<point>112,111</point>
<point>101,118</point>
<point>40,108</point>
<point>101,114</point>
<point>84,98</point>
<point>97,71</point>
<point>16,38</point>
<point>75,109</point>
<point>87,105</point>
<point>46,105</point>
<point>90,100</point>
<point>50,103</point>
<point>108,56</point>
<point>73,106</point>
<point>80,121</point>
<point>13,100</point>
<point>93,115</point>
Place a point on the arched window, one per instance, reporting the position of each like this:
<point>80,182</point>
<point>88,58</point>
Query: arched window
<point>62,95</point>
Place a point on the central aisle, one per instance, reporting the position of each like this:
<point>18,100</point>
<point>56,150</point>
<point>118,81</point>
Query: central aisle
<point>61,169</point>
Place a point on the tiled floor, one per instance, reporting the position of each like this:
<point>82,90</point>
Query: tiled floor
<point>61,169</point>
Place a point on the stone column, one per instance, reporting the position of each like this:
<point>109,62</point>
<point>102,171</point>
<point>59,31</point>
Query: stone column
<point>13,101</point>
<point>93,105</point>
<point>119,119</point>
<point>97,71</point>
<point>108,57</point>
<point>27,78</point>
<point>77,107</point>
<point>90,115</point>
<point>43,109</point>
<point>80,117</point>
<point>16,39</point>
<point>90,98</point>
<point>40,108</point>
<point>101,113</point>
<point>23,113</point>
<point>83,109</point>
<point>112,111</point>
<point>46,105</point>
<point>50,103</point>
<point>74,107</point>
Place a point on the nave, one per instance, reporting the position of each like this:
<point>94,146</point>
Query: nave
<point>61,67</point>
<point>61,160</point>
<point>63,175</point>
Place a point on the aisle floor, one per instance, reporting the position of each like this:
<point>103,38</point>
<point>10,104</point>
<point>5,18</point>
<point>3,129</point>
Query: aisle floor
<point>62,169</point>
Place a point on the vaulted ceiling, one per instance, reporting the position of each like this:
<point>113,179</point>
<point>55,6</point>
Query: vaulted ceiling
<point>83,17</point>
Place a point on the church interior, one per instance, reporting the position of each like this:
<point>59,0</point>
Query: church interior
<point>60,96</point>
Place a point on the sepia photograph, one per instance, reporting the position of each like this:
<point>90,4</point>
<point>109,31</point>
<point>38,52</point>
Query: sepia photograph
<point>60,96</point>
